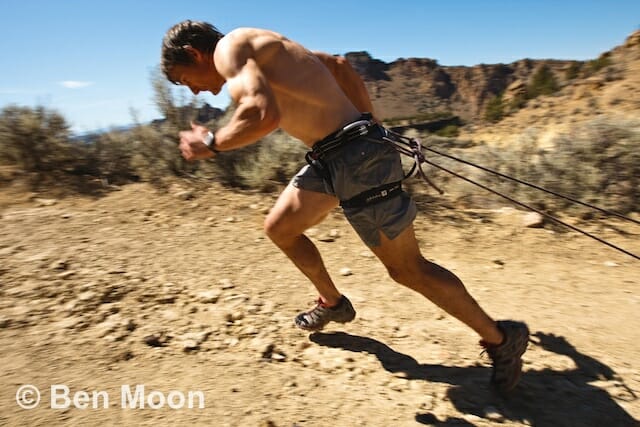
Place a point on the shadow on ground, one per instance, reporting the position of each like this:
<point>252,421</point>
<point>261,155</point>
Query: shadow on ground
<point>544,397</point>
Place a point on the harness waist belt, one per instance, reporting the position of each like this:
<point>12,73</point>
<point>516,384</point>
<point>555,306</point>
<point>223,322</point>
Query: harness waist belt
<point>350,132</point>
<point>373,196</point>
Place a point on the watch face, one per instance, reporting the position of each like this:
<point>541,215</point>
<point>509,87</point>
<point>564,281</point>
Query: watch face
<point>208,139</point>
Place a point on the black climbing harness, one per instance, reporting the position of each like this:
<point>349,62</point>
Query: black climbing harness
<point>358,129</point>
<point>413,148</point>
<point>373,196</point>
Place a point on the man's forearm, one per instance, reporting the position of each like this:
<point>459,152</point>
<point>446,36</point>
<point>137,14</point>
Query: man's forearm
<point>248,124</point>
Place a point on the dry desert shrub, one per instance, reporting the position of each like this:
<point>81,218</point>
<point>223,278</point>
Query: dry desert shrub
<point>597,162</point>
<point>277,158</point>
<point>35,139</point>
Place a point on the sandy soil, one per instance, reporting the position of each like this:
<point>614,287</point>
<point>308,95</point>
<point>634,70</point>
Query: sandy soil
<point>181,292</point>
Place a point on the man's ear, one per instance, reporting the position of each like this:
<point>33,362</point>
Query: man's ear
<point>194,53</point>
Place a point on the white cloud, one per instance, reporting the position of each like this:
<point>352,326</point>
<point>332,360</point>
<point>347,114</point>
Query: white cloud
<point>74,84</point>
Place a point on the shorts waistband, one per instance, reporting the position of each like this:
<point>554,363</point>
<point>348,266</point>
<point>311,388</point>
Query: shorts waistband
<point>349,132</point>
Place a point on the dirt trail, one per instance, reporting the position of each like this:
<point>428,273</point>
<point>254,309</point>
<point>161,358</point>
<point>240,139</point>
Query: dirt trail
<point>182,291</point>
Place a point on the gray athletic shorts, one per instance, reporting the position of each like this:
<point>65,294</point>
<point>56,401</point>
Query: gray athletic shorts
<point>360,165</point>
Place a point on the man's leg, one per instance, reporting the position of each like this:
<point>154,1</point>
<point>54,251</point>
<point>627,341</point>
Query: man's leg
<point>295,211</point>
<point>406,265</point>
<point>505,341</point>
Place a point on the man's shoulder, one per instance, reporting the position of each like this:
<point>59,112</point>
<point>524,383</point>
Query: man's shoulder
<point>242,43</point>
<point>247,34</point>
<point>246,37</point>
<point>240,32</point>
<point>234,38</point>
<point>232,50</point>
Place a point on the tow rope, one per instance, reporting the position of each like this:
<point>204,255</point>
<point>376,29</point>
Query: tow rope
<point>412,147</point>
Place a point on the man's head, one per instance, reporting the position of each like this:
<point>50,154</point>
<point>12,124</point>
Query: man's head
<point>185,43</point>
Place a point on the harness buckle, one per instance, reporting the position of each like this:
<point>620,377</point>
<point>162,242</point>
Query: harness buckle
<point>363,126</point>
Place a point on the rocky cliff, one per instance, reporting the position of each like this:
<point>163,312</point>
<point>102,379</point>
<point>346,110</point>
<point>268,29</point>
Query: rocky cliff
<point>415,88</point>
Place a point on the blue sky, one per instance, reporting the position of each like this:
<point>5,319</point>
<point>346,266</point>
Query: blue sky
<point>92,61</point>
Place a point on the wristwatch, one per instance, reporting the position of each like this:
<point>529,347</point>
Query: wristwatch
<point>210,141</point>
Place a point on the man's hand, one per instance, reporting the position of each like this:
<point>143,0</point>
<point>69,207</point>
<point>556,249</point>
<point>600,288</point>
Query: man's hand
<point>192,143</point>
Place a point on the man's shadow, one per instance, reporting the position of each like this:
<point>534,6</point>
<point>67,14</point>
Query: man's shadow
<point>544,397</point>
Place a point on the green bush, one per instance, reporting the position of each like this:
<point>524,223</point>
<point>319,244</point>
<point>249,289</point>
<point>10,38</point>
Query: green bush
<point>543,82</point>
<point>494,109</point>
<point>573,71</point>
<point>518,102</point>
<point>598,64</point>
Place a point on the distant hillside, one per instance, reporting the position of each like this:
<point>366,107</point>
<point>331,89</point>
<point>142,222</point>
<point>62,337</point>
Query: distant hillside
<point>420,87</point>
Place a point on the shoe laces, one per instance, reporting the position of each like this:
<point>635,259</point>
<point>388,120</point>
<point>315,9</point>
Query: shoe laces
<point>488,349</point>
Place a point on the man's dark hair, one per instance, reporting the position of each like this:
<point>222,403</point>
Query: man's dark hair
<point>197,34</point>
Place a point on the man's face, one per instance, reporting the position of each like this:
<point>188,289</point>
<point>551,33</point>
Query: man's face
<point>196,77</point>
<point>201,76</point>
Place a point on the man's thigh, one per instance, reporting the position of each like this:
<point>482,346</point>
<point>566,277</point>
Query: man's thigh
<point>399,253</point>
<point>298,209</point>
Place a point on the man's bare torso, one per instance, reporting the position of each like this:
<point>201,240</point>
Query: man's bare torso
<point>311,104</point>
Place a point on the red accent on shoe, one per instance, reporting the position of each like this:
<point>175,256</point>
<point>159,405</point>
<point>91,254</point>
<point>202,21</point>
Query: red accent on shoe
<point>321,303</point>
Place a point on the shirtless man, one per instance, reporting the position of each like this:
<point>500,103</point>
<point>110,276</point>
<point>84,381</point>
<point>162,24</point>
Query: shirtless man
<point>319,99</point>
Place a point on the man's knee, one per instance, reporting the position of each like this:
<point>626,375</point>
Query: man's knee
<point>405,274</point>
<point>283,228</point>
<point>397,273</point>
<point>415,271</point>
<point>275,228</point>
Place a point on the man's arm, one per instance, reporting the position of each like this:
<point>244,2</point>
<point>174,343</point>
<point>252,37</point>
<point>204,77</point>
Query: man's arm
<point>256,114</point>
<point>349,80</point>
